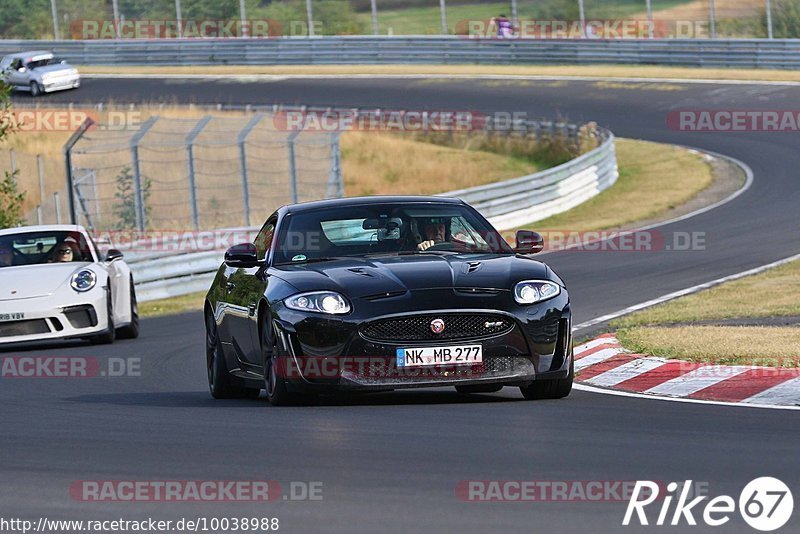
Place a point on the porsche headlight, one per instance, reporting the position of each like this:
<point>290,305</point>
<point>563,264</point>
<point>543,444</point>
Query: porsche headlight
<point>83,280</point>
<point>533,291</point>
<point>319,301</point>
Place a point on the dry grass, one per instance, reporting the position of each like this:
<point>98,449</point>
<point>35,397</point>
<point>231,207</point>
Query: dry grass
<point>653,178</point>
<point>592,71</point>
<point>698,10</point>
<point>172,305</point>
<point>773,293</point>
<point>769,346</point>
<point>397,164</point>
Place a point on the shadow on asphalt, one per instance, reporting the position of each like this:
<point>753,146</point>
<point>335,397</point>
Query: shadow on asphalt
<point>197,399</point>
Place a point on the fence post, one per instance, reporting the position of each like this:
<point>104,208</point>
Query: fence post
<point>769,19</point>
<point>335,185</point>
<point>179,18</point>
<point>443,13</point>
<point>241,138</point>
<point>649,18</point>
<point>582,18</point>
<point>74,138</point>
<point>54,11</point>
<point>190,156</point>
<point>310,16</point>
<point>57,204</point>
<point>712,19</point>
<point>374,6</point>
<point>40,169</point>
<point>292,165</point>
<point>13,161</point>
<point>138,191</point>
<point>39,214</point>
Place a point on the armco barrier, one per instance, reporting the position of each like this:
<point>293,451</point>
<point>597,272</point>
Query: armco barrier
<point>743,53</point>
<point>506,204</point>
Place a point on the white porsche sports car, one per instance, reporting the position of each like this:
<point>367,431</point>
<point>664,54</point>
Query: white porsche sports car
<point>55,284</point>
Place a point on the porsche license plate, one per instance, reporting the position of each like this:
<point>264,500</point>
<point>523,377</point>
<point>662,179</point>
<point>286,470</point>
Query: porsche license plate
<point>453,355</point>
<point>16,316</point>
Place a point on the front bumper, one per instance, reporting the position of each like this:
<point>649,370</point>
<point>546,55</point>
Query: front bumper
<point>42,318</point>
<point>61,83</point>
<point>325,352</point>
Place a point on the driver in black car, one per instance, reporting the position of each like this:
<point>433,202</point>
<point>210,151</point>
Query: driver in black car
<point>434,231</point>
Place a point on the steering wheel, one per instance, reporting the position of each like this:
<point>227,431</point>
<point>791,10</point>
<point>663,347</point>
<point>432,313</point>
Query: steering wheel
<point>444,245</point>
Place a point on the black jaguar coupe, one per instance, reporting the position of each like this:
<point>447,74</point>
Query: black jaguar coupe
<point>380,293</point>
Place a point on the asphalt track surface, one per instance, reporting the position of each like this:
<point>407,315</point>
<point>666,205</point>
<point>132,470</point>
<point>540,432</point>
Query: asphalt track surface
<point>392,461</point>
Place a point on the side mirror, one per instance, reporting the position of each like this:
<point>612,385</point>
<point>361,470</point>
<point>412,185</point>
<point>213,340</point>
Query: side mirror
<point>242,255</point>
<point>529,242</point>
<point>113,254</point>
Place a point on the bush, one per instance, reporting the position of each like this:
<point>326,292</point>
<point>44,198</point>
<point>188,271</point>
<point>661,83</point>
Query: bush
<point>10,201</point>
<point>785,19</point>
<point>124,209</point>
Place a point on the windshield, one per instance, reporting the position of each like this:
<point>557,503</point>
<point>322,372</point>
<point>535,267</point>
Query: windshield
<point>385,229</point>
<point>32,248</point>
<point>43,62</point>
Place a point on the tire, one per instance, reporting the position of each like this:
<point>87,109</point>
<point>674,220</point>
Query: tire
<point>277,392</point>
<point>220,384</point>
<point>551,389</point>
<point>131,331</point>
<point>107,337</point>
<point>36,89</point>
<point>479,388</point>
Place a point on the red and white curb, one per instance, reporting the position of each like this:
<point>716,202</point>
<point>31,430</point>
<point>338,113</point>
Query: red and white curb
<point>603,362</point>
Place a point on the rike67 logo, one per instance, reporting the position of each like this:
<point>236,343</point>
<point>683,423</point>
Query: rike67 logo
<point>766,504</point>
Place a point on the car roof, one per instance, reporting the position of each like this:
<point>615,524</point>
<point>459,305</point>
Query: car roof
<point>361,201</point>
<point>44,228</point>
<point>23,55</point>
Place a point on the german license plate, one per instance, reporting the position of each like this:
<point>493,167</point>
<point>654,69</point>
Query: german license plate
<point>16,316</point>
<point>452,355</point>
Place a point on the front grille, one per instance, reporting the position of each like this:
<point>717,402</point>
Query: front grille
<point>24,328</point>
<point>456,326</point>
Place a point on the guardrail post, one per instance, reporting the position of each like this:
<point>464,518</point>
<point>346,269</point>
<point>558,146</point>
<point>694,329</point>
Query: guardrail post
<point>190,156</point>
<point>138,191</point>
<point>241,138</point>
<point>74,138</point>
<point>292,164</point>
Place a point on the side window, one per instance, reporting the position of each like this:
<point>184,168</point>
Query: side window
<point>5,63</point>
<point>264,239</point>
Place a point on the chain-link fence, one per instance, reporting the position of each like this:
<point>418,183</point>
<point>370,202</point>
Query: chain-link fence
<point>183,173</point>
<point>101,19</point>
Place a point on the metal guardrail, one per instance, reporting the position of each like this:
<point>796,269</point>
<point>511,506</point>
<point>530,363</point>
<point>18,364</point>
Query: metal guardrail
<point>531,198</point>
<point>744,53</point>
<point>506,204</point>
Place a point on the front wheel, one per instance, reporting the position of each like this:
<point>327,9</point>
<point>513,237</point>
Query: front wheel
<point>274,384</point>
<point>36,89</point>
<point>550,389</point>
<point>107,337</point>
<point>131,331</point>
<point>219,380</point>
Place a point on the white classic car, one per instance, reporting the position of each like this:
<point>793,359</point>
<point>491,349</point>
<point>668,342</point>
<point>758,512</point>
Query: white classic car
<point>39,72</point>
<point>55,284</point>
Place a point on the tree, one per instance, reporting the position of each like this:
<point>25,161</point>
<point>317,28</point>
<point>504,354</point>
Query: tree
<point>124,209</point>
<point>11,198</point>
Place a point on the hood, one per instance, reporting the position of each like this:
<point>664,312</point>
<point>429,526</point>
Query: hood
<point>29,281</point>
<point>363,277</point>
<point>54,69</point>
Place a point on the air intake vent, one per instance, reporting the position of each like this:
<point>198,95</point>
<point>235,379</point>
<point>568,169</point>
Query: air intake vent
<point>361,271</point>
<point>385,295</point>
<point>473,266</point>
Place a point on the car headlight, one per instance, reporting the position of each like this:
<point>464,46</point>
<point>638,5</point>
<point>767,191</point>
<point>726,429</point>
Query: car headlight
<point>83,280</point>
<point>318,301</point>
<point>533,291</point>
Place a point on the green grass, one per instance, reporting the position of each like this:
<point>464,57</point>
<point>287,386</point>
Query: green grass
<point>173,305</point>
